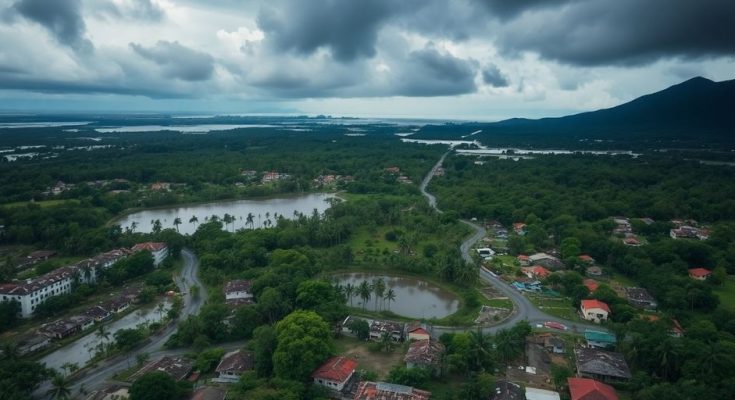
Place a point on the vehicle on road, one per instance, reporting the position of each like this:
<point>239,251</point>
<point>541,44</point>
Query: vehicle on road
<point>555,325</point>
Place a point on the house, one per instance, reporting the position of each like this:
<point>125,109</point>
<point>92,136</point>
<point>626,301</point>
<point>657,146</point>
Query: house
<point>233,365</point>
<point>158,250</point>
<point>393,170</point>
<point>40,255</point>
<point>505,390</point>
<point>486,253</point>
<point>591,285</point>
<point>239,292</point>
<point>59,329</point>
<point>536,271</point>
<point>700,274</point>
<point>109,392</point>
<point>176,367</point>
<point>594,310</point>
<point>32,292</point>
<point>602,365</point>
<point>523,260</point>
<point>334,373</point>
<point>209,393</point>
<point>424,354</point>
<point>116,305</point>
<point>378,328</point>
<point>647,221</point>
<point>593,271</point>
<point>368,390</point>
<point>546,260</point>
<point>640,298</point>
<point>554,344</point>
<point>541,394</point>
<point>632,241</point>
<point>519,228</point>
<point>98,314</point>
<point>675,329</point>
<point>161,186</point>
<point>83,322</point>
<point>590,389</point>
<point>273,176</point>
<point>689,232</point>
<point>418,333</point>
<point>32,343</point>
<point>586,259</point>
<point>598,339</point>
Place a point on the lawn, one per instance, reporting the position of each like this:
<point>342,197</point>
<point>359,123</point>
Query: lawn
<point>379,362</point>
<point>559,307</point>
<point>42,204</point>
<point>726,293</point>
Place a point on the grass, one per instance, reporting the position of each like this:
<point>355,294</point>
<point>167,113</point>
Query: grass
<point>379,362</point>
<point>499,303</point>
<point>42,204</point>
<point>726,293</point>
<point>558,307</point>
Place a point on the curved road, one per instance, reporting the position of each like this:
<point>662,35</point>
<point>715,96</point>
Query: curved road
<point>105,369</point>
<point>523,308</point>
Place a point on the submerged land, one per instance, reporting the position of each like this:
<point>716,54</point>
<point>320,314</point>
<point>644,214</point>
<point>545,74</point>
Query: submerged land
<point>310,257</point>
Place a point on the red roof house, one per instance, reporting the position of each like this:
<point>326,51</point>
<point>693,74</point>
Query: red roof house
<point>418,333</point>
<point>150,246</point>
<point>590,389</point>
<point>699,274</point>
<point>591,284</point>
<point>536,271</point>
<point>335,373</point>
<point>594,310</point>
<point>587,259</point>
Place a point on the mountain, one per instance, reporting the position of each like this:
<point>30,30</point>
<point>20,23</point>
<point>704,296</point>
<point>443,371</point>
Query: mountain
<point>696,106</point>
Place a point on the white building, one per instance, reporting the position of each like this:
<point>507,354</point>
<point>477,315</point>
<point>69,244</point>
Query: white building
<point>238,290</point>
<point>594,310</point>
<point>334,373</point>
<point>233,365</point>
<point>541,394</point>
<point>158,250</point>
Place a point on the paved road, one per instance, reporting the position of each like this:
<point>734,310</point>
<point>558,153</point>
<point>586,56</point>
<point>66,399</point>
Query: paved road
<point>523,308</point>
<point>106,369</point>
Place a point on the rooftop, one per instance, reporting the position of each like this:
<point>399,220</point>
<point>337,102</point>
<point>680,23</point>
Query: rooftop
<point>238,285</point>
<point>236,361</point>
<point>589,304</point>
<point>590,389</point>
<point>336,369</point>
<point>209,393</point>
<point>427,351</point>
<point>597,336</point>
<point>505,390</point>
<point>600,362</point>
<point>389,391</point>
<point>150,246</point>
<point>699,272</point>
<point>177,367</point>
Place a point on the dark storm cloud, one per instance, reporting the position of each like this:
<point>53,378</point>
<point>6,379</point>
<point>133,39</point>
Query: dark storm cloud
<point>349,29</point>
<point>626,32</point>
<point>506,9</point>
<point>62,18</point>
<point>44,85</point>
<point>492,76</point>
<point>428,72</point>
<point>136,10</point>
<point>178,61</point>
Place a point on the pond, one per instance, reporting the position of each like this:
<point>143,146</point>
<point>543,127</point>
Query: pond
<point>264,213</point>
<point>83,349</point>
<point>414,298</point>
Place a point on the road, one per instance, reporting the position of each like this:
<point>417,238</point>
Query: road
<point>106,369</point>
<point>523,308</point>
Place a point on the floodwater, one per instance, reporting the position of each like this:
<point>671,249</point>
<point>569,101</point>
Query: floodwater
<point>262,210</point>
<point>83,349</point>
<point>414,298</point>
<point>203,128</point>
<point>482,150</point>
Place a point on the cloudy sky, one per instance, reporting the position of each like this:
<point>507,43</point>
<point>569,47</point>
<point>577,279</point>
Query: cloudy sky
<point>467,59</point>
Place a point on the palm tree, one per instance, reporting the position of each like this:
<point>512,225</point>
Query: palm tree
<point>349,291</point>
<point>177,222</point>
<point>133,225</point>
<point>386,341</point>
<point>479,349</point>
<point>364,291</point>
<point>160,308</point>
<point>228,219</point>
<point>379,289</point>
<point>250,219</point>
<point>157,226</point>
<point>60,389</point>
<point>390,295</point>
<point>193,219</point>
<point>102,333</point>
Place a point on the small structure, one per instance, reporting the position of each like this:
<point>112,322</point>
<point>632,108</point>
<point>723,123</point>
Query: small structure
<point>176,367</point>
<point>424,354</point>
<point>83,322</point>
<point>418,333</point>
<point>594,310</point>
<point>593,271</point>
<point>541,394</point>
<point>209,393</point>
<point>640,298</point>
<point>523,260</point>
<point>378,328</point>
<point>334,373</point>
<point>233,365</point>
<point>32,343</point>
<point>546,260</point>
<point>98,313</point>
<point>632,241</point>
<point>537,272</point>
<point>591,285</point>
<point>158,250</point>
<point>116,305</point>
<point>586,259</point>
<point>554,344</point>
<point>239,292</point>
<point>486,253</point>
<point>110,392</point>
<point>161,186</point>
<point>60,329</point>
<point>590,389</point>
<point>368,390</point>
<point>598,339</point>
<point>519,228</point>
<point>699,274</point>
<point>505,390</point>
<point>606,366</point>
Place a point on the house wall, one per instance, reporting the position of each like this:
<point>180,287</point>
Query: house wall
<point>594,314</point>
<point>334,385</point>
<point>159,256</point>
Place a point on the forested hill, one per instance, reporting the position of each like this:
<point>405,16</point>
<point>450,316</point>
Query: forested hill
<point>696,109</point>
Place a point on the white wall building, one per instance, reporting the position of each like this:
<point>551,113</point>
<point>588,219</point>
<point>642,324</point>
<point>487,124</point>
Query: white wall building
<point>158,250</point>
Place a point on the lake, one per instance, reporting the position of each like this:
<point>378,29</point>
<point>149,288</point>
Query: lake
<point>414,298</point>
<point>262,210</point>
<point>83,349</point>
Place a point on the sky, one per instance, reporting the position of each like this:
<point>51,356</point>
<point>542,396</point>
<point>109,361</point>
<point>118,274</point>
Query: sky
<point>458,59</point>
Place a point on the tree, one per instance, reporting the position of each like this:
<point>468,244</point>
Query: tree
<point>390,295</point>
<point>9,311</point>
<point>304,342</point>
<point>379,289</point>
<point>156,226</point>
<point>250,220</point>
<point>264,344</point>
<point>60,388</point>
<point>126,339</point>
<point>478,386</point>
<point>177,222</point>
<point>245,321</point>
<point>416,377</point>
<point>154,386</point>
<point>207,360</point>
<point>193,219</point>
<point>559,375</point>
<point>360,328</point>
<point>364,291</point>
<point>349,292</point>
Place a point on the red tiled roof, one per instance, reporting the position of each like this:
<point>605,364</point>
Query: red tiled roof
<point>336,369</point>
<point>239,285</point>
<point>591,284</point>
<point>585,257</point>
<point>590,389</point>
<point>699,272</point>
<point>523,257</point>
<point>418,330</point>
<point>150,246</point>
<point>588,304</point>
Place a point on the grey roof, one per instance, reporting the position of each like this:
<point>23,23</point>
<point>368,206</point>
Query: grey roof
<point>600,362</point>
